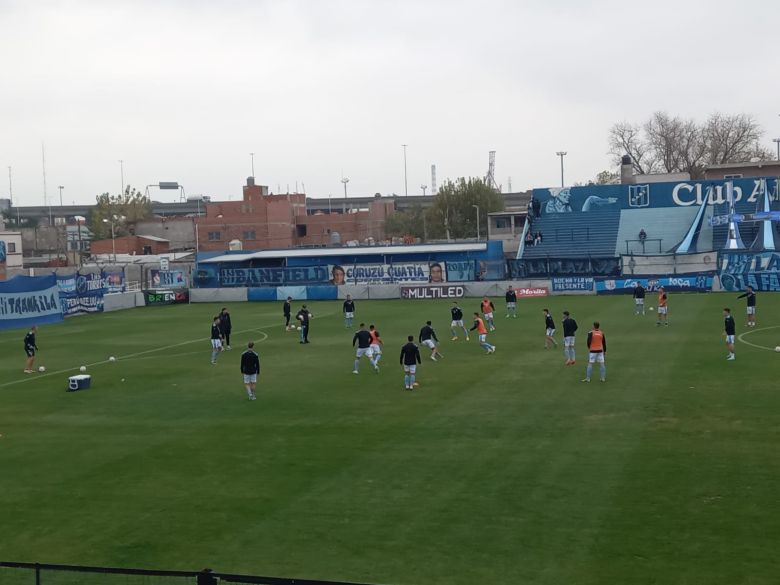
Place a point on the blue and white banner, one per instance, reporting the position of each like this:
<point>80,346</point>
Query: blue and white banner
<point>81,293</point>
<point>402,272</point>
<point>681,283</point>
<point>29,300</point>
<point>2,251</point>
<point>115,282</point>
<point>761,270</point>
<point>572,283</point>
<point>273,276</point>
<point>461,271</point>
<point>168,279</point>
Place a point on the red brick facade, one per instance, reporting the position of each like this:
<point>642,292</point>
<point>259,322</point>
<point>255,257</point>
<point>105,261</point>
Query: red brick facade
<point>137,245</point>
<point>262,221</point>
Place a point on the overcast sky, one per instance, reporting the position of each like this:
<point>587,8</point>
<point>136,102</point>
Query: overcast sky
<point>185,90</point>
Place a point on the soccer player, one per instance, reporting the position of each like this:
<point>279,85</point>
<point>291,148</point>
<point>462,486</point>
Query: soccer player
<point>250,368</point>
<point>376,344</point>
<point>663,308</point>
<point>751,306</point>
<point>549,326</point>
<point>29,349</point>
<point>363,340</point>
<point>639,299</point>
<point>511,302</point>
<point>216,339</point>
<point>457,321</point>
<point>225,326</point>
<point>287,312</point>
<point>569,330</point>
<point>304,316</point>
<point>482,332</point>
<point>410,358</point>
<point>597,348</point>
<point>731,331</point>
<point>428,338</point>
<point>349,312</point>
<point>487,311</point>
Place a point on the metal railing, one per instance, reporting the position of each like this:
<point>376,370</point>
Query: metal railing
<point>643,243</point>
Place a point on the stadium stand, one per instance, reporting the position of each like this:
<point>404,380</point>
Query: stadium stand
<point>576,234</point>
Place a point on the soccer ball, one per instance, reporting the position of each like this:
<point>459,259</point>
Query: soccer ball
<point>41,369</point>
<point>651,309</point>
<point>83,368</point>
<point>777,349</point>
<point>112,359</point>
<point>299,327</point>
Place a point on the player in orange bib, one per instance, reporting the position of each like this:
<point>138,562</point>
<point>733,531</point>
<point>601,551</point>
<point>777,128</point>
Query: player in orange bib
<point>376,343</point>
<point>487,311</point>
<point>663,309</point>
<point>597,346</point>
<point>482,332</point>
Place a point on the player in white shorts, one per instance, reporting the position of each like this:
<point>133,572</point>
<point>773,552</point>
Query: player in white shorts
<point>569,330</point>
<point>216,340</point>
<point>410,357</point>
<point>363,340</point>
<point>457,322</point>
<point>731,331</point>
<point>376,343</point>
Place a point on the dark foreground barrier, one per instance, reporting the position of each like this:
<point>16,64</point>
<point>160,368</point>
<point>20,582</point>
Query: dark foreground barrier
<point>41,574</point>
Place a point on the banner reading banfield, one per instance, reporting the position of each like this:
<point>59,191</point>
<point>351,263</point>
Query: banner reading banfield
<point>409,272</point>
<point>760,270</point>
<point>81,293</point>
<point>273,276</point>
<point>29,300</point>
<point>680,283</point>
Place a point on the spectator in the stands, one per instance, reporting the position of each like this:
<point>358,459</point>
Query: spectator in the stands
<point>537,207</point>
<point>642,235</point>
<point>529,239</point>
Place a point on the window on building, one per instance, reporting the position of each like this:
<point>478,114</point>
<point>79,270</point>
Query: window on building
<point>11,247</point>
<point>215,236</point>
<point>727,177</point>
<point>503,223</point>
<point>250,235</point>
<point>300,230</point>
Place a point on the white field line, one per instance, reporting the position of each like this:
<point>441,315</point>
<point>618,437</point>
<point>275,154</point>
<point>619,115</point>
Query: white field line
<point>741,337</point>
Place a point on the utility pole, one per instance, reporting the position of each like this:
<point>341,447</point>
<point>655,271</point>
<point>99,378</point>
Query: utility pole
<point>344,181</point>
<point>11,197</point>
<point>423,187</point>
<point>777,142</point>
<point>122,175</point>
<point>45,196</point>
<point>60,188</point>
<point>252,154</point>
<point>561,153</point>
<point>406,183</point>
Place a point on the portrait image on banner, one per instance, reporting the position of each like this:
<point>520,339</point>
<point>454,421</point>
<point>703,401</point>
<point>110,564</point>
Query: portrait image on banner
<point>168,279</point>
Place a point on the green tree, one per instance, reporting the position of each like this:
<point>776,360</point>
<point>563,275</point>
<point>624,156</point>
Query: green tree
<point>127,209</point>
<point>407,223</point>
<point>453,216</point>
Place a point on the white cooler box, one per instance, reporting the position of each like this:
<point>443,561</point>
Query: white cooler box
<point>80,382</point>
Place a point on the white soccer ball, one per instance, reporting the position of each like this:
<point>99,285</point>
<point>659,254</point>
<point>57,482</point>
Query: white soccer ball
<point>299,328</point>
<point>83,368</point>
<point>651,309</point>
<point>41,369</point>
<point>112,359</point>
<point>777,349</point>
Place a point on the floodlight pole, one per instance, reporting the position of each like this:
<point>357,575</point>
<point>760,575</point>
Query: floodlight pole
<point>562,153</point>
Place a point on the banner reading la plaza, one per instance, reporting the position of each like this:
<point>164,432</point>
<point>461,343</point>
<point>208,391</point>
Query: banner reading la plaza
<point>29,300</point>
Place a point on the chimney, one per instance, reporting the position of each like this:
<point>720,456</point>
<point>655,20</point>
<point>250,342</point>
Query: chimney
<point>626,170</point>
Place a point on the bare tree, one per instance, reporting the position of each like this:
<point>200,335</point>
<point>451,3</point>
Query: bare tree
<point>672,144</point>
<point>626,138</point>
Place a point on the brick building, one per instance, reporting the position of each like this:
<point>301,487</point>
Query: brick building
<point>765,168</point>
<point>138,245</point>
<point>262,221</point>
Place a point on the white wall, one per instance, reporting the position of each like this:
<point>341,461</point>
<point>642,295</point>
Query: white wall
<point>12,240</point>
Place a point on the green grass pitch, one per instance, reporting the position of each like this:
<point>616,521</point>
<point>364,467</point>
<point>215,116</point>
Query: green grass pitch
<point>500,469</point>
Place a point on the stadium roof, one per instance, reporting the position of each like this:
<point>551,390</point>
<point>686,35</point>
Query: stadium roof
<point>348,251</point>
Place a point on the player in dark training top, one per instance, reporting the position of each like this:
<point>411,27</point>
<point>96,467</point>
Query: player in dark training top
<point>30,348</point>
<point>349,312</point>
<point>569,331</point>
<point>225,326</point>
<point>549,333</point>
<point>457,322</point>
<point>511,302</point>
<point>750,294</point>
<point>363,340</point>
<point>303,317</point>
<point>639,299</point>
<point>287,312</point>
<point>730,330</point>
<point>216,339</point>
<point>428,338</point>
<point>250,368</point>
<point>410,358</point>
